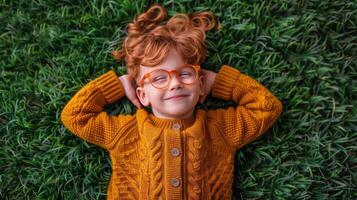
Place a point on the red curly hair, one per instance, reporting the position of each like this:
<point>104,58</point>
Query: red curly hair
<point>149,39</point>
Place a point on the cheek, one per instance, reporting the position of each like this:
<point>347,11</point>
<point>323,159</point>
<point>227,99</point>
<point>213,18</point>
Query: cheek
<point>156,96</point>
<point>195,90</point>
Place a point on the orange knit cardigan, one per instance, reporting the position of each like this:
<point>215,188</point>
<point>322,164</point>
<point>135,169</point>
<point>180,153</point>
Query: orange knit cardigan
<point>155,158</point>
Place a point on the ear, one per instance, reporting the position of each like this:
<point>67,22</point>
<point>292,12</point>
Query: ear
<point>143,98</point>
<point>202,85</point>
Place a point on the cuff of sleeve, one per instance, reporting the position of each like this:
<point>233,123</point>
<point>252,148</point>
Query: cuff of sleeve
<point>110,86</point>
<point>224,83</point>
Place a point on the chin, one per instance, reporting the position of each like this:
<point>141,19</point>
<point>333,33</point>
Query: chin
<point>178,112</point>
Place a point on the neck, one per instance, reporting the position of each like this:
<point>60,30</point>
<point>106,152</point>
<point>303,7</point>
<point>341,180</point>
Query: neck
<point>173,117</point>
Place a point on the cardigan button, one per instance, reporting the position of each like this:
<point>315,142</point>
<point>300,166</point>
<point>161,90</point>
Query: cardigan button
<point>176,126</point>
<point>175,182</point>
<point>175,151</point>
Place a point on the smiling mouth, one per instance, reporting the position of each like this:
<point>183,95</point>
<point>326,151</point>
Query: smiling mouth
<point>177,97</point>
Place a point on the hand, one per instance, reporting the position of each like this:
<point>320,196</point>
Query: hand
<point>129,86</point>
<point>208,79</point>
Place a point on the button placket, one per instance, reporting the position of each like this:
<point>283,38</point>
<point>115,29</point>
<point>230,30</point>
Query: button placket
<point>174,148</point>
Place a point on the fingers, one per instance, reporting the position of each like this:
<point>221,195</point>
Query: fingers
<point>133,98</point>
<point>135,101</point>
<point>129,86</point>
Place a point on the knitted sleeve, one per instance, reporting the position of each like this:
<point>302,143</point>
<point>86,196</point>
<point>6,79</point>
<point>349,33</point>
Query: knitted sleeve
<point>84,116</point>
<point>256,110</point>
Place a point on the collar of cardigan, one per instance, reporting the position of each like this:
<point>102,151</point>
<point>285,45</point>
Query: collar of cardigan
<point>144,116</point>
<point>169,123</point>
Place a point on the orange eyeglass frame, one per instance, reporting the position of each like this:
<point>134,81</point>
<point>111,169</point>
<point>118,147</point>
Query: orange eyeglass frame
<point>197,68</point>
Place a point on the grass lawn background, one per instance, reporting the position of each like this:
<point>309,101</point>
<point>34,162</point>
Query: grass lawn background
<point>304,52</point>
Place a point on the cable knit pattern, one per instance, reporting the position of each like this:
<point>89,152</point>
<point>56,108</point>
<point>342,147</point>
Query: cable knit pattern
<point>194,170</point>
<point>156,166</point>
<point>127,168</point>
<point>154,158</point>
<point>144,172</point>
<point>195,157</point>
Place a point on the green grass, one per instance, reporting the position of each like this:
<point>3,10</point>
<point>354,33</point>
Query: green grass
<point>304,52</point>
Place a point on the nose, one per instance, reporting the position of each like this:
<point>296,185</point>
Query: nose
<point>174,82</point>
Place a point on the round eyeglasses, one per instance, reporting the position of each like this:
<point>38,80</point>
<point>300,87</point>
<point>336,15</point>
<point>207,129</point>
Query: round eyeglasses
<point>160,78</point>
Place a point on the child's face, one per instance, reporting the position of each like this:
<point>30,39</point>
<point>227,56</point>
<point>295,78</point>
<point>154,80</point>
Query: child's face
<point>162,105</point>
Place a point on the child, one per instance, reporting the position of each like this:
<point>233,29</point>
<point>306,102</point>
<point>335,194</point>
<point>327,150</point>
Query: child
<point>177,151</point>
